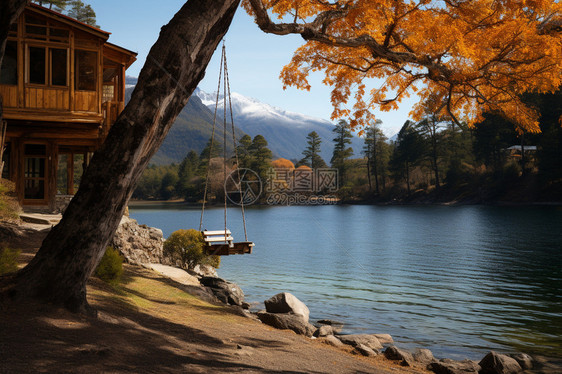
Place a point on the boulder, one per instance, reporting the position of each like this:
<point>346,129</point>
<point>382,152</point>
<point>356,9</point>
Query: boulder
<point>384,338</point>
<point>524,360</point>
<point>423,356</point>
<point>496,363</point>
<point>397,354</point>
<point>332,340</point>
<point>287,303</point>
<point>324,330</point>
<point>336,325</point>
<point>365,351</point>
<point>226,292</point>
<point>139,244</point>
<point>448,366</point>
<point>204,271</point>
<point>285,321</point>
<point>368,340</point>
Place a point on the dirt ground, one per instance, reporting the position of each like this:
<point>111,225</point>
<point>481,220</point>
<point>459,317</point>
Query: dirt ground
<point>150,324</point>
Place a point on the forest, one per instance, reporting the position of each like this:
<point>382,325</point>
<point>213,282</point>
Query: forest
<point>431,160</point>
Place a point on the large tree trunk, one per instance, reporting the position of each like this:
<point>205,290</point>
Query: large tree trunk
<point>175,65</point>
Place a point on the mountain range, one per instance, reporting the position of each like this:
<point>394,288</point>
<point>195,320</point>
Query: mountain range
<point>284,131</point>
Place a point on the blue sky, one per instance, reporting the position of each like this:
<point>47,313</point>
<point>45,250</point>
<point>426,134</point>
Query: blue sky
<point>255,59</point>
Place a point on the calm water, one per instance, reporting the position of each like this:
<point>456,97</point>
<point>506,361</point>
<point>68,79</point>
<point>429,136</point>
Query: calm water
<point>457,280</point>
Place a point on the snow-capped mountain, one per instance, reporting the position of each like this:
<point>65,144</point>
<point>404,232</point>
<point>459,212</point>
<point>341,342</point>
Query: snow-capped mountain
<point>285,131</point>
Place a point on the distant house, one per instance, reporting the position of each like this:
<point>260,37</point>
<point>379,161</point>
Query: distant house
<point>63,85</point>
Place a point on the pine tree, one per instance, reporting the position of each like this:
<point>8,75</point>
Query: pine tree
<point>341,150</point>
<point>82,12</point>
<point>311,153</point>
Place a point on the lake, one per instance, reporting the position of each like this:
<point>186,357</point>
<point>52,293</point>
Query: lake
<point>457,280</point>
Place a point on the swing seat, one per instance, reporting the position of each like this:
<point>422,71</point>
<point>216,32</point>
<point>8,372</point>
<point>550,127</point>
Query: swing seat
<point>221,243</point>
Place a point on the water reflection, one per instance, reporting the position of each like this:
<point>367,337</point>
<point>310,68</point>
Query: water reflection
<point>458,280</point>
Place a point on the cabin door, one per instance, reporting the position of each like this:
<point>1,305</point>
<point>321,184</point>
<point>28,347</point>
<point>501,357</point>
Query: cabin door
<point>35,173</point>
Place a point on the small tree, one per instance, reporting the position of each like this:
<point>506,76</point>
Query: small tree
<point>186,248</point>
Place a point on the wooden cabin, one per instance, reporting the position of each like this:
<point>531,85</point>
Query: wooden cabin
<point>63,86</point>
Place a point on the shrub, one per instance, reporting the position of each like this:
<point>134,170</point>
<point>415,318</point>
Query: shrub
<point>186,248</point>
<point>8,260</point>
<point>9,206</point>
<point>110,267</point>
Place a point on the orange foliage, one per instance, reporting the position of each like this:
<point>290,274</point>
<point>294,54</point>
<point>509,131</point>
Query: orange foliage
<point>462,57</point>
<point>282,163</point>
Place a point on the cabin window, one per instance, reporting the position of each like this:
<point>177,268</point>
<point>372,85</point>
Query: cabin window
<point>69,171</point>
<point>9,71</point>
<point>85,67</point>
<point>35,164</point>
<point>37,65</point>
<point>58,67</point>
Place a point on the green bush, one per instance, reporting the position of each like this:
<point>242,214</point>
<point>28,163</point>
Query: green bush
<point>8,260</point>
<point>186,248</point>
<point>110,267</point>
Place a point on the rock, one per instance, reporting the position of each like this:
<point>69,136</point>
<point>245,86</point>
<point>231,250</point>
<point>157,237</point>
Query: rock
<point>287,303</point>
<point>448,366</point>
<point>336,326</point>
<point>524,360</point>
<point>204,271</point>
<point>243,350</point>
<point>226,292</point>
<point>366,351</point>
<point>397,354</point>
<point>424,356</point>
<point>368,340</point>
<point>496,363</point>
<point>246,305</point>
<point>324,330</point>
<point>384,338</point>
<point>139,244</point>
<point>285,321</point>
<point>332,340</point>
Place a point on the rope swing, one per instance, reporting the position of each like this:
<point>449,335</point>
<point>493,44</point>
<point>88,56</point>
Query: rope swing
<point>220,242</point>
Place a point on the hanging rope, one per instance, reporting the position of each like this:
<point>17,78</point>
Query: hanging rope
<point>211,148</point>
<point>226,94</point>
<point>227,85</point>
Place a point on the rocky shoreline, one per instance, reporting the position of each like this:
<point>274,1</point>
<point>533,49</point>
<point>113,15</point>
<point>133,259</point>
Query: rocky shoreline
<point>142,245</point>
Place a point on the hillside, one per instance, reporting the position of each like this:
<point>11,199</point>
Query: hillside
<point>285,131</point>
<point>192,130</point>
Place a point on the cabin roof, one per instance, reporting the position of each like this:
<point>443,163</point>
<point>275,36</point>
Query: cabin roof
<point>84,27</point>
<point>69,20</point>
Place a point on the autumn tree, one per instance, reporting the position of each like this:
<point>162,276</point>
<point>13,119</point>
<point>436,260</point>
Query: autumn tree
<point>491,52</point>
<point>469,57</point>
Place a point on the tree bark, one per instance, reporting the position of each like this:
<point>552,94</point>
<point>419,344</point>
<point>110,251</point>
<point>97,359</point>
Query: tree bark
<point>175,65</point>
